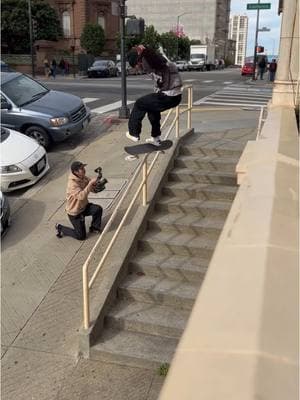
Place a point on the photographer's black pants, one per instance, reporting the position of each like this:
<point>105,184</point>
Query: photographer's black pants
<point>152,105</point>
<point>78,221</point>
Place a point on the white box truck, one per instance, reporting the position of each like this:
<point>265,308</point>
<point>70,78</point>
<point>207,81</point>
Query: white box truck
<point>202,56</point>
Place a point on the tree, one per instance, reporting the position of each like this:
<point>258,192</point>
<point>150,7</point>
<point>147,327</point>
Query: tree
<point>184,44</point>
<point>151,37</point>
<point>15,24</point>
<point>169,42</point>
<point>92,39</point>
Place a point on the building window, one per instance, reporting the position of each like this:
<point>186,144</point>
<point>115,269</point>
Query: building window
<point>101,21</point>
<point>66,22</point>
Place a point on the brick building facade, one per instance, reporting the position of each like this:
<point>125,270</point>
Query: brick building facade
<point>75,14</point>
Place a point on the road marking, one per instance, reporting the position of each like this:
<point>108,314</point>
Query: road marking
<point>227,83</point>
<point>207,81</point>
<point>237,96</point>
<point>109,107</point>
<point>89,99</point>
<point>189,80</point>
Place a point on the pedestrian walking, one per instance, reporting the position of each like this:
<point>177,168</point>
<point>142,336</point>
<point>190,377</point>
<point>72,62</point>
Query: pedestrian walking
<point>272,70</point>
<point>167,92</point>
<point>53,68</point>
<point>46,67</point>
<point>262,67</point>
<point>62,67</point>
<point>77,206</point>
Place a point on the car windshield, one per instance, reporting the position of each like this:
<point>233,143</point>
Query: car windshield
<point>99,63</point>
<point>23,90</point>
<point>248,65</point>
<point>197,56</point>
<point>4,134</point>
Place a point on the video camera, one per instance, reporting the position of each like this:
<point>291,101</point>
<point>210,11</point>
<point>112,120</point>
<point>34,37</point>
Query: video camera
<point>100,184</point>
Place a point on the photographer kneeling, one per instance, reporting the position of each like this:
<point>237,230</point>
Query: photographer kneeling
<point>78,206</point>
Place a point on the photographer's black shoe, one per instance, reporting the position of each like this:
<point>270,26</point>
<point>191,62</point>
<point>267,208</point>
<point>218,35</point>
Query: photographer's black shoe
<point>58,230</point>
<point>94,230</point>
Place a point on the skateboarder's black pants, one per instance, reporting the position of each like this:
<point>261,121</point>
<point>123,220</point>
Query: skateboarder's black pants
<point>152,104</point>
<point>78,221</point>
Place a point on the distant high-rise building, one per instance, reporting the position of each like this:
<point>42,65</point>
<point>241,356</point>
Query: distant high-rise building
<point>204,20</point>
<point>238,31</point>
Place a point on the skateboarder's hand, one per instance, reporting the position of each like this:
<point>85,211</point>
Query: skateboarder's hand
<point>92,182</point>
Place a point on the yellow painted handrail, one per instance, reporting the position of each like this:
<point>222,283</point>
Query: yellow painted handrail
<point>143,187</point>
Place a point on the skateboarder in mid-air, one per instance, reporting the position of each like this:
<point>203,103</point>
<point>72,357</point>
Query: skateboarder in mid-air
<point>167,92</point>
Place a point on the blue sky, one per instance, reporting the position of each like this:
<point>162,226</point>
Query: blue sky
<point>267,18</point>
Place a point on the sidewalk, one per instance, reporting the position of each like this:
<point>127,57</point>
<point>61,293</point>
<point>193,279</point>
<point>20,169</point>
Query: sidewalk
<point>40,359</point>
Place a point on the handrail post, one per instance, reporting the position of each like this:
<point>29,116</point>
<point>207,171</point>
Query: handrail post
<point>177,121</point>
<point>145,182</point>
<point>86,301</point>
<point>190,104</point>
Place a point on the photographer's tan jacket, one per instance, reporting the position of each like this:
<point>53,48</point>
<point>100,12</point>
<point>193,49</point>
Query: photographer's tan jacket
<point>77,194</point>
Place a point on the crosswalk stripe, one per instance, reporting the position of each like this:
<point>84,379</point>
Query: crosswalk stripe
<point>89,99</point>
<point>227,83</point>
<point>110,107</point>
<point>237,95</point>
<point>207,81</point>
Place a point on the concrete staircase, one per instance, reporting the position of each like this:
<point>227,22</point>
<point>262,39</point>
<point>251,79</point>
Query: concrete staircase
<point>154,301</point>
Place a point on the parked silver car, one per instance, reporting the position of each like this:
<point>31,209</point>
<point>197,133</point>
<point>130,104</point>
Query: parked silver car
<point>45,115</point>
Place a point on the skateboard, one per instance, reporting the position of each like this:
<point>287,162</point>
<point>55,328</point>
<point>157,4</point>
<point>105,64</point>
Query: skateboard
<point>145,148</point>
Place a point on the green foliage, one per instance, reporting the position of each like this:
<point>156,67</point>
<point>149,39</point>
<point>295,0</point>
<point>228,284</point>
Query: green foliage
<point>15,24</point>
<point>92,39</point>
<point>169,42</point>
<point>151,37</point>
<point>163,369</point>
<point>195,41</point>
<point>129,42</point>
<point>184,44</point>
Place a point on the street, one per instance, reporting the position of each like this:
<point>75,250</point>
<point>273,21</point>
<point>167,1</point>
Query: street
<point>104,94</point>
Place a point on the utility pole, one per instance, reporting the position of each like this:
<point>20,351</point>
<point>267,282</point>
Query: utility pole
<point>31,39</point>
<point>255,44</point>
<point>124,111</point>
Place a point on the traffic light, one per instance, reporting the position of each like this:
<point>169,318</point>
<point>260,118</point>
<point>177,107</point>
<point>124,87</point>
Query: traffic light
<point>260,49</point>
<point>34,28</point>
<point>135,26</point>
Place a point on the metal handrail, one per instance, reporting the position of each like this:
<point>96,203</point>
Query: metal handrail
<point>142,187</point>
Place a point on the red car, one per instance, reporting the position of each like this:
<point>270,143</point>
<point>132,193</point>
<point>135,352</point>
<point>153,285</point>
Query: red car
<point>247,69</point>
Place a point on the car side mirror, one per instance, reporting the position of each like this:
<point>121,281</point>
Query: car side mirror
<point>5,105</point>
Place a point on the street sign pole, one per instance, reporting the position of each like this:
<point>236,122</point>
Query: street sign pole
<point>255,43</point>
<point>123,110</point>
<point>31,38</point>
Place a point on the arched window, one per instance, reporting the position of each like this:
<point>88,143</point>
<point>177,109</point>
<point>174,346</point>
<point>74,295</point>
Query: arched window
<point>66,22</point>
<point>101,20</point>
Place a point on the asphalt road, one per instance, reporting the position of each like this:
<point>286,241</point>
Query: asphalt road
<point>104,91</point>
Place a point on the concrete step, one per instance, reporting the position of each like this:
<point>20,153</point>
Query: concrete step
<point>201,176</point>
<point>133,349</point>
<point>205,191</point>
<point>147,318</point>
<point>167,292</point>
<point>203,208</point>
<point>208,163</point>
<point>182,244</point>
<point>206,227</point>
<point>183,268</point>
<point>200,149</point>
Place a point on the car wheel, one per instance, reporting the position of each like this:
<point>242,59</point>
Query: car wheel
<point>39,134</point>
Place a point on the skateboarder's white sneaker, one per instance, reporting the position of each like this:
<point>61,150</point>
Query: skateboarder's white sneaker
<point>156,141</point>
<point>131,137</point>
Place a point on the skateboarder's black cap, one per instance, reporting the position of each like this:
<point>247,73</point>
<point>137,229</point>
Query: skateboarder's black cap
<point>76,165</point>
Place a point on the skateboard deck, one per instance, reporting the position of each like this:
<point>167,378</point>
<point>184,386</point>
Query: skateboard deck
<point>145,148</point>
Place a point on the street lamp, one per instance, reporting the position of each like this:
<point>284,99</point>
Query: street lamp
<point>31,38</point>
<point>177,31</point>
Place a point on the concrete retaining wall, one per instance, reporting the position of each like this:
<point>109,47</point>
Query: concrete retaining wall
<point>241,341</point>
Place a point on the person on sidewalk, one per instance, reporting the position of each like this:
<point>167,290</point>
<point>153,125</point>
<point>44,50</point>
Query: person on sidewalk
<point>78,207</point>
<point>262,67</point>
<point>46,67</point>
<point>167,92</point>
<point>272,70</point>
<point>53,68</point>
